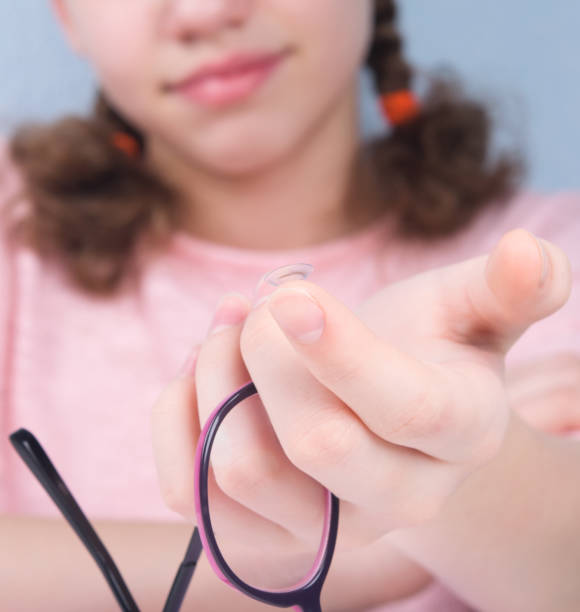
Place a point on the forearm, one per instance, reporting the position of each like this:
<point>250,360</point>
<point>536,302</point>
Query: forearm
<point>44,566</point>
<point>508,539</point>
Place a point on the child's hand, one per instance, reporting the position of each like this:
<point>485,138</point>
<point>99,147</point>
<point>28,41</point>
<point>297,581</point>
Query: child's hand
<point>391,409</point>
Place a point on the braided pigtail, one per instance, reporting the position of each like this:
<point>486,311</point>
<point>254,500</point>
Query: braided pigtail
<point>434,166</point>
<point>91,198</point>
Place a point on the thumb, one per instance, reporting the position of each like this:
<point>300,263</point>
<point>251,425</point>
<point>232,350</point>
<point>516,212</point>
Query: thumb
<point>493,300</point>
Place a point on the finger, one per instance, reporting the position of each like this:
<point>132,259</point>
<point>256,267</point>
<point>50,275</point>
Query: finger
<point>235,525</point>
<point>491,301</point>
<point>442,412</point>
<point>175,431</point>
<point>402,400</point>
<point>247,459</point>
<point>326,439</point>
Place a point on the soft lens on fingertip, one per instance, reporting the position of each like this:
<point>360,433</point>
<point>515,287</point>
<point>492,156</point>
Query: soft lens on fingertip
<point>279,276</point>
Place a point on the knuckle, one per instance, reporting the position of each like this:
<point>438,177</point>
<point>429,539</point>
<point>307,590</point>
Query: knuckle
<point>428,415</point>
<point>238,476</point>
<point>324,444</point>
<point>179,498</point>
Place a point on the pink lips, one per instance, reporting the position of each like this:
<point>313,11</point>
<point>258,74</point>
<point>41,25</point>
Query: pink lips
<point>229,81</point>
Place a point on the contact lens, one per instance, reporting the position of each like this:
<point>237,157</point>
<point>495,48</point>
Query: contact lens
<point>279,276</point>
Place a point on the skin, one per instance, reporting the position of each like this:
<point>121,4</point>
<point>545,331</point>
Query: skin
<point>270,173</point>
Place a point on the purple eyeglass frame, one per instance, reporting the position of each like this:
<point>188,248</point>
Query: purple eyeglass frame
<point>305,595</point>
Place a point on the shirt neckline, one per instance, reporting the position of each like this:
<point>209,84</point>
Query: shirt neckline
<point>186,246</point>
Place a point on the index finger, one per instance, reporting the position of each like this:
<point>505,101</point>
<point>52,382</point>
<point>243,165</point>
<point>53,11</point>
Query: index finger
<point>403,400</point>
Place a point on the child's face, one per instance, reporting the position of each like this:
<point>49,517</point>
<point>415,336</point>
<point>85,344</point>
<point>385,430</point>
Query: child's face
<point>140,47</point>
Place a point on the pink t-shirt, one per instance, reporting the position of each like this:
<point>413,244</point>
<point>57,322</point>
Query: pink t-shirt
<point>82,374</point>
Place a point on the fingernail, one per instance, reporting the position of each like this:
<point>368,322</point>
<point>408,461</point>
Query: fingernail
<point>188,367</point>
<point>545,261</point>
<point>298,314</point>
<point>231,310</point>
<point>277,277</point>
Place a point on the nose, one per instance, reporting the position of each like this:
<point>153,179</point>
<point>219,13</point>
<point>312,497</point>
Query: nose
<point>187,20</point>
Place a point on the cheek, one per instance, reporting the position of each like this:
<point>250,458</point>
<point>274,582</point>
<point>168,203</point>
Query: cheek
<point>125,62</point>
<point>335,36</point>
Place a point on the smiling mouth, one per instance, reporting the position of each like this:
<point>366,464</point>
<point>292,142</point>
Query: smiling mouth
<point>230,81</point>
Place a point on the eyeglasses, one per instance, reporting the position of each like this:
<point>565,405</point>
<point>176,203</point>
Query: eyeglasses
<point>303,596</point>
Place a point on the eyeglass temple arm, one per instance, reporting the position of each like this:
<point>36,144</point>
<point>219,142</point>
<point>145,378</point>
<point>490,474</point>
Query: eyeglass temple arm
<point>184,574</point>
<point>32,453</point>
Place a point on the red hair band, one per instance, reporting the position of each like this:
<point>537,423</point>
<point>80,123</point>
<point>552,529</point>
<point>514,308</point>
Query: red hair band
<point>127,144</point>
<point>400,106</point>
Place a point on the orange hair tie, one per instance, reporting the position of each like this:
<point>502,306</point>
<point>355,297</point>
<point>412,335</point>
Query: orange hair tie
<point>127,144</point>
<point>400,106</point>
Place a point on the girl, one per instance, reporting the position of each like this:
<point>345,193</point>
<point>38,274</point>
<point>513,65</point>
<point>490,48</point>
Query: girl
<point>225,144</point>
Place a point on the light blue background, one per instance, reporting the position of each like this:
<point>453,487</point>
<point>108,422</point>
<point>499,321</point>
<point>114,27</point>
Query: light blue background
<point>521,55</point>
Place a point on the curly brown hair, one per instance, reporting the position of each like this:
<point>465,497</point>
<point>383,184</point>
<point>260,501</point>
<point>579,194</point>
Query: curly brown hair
<point>92,206</point>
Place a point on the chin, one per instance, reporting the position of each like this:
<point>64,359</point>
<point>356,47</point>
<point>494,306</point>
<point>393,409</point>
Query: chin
<point>236,160</point>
